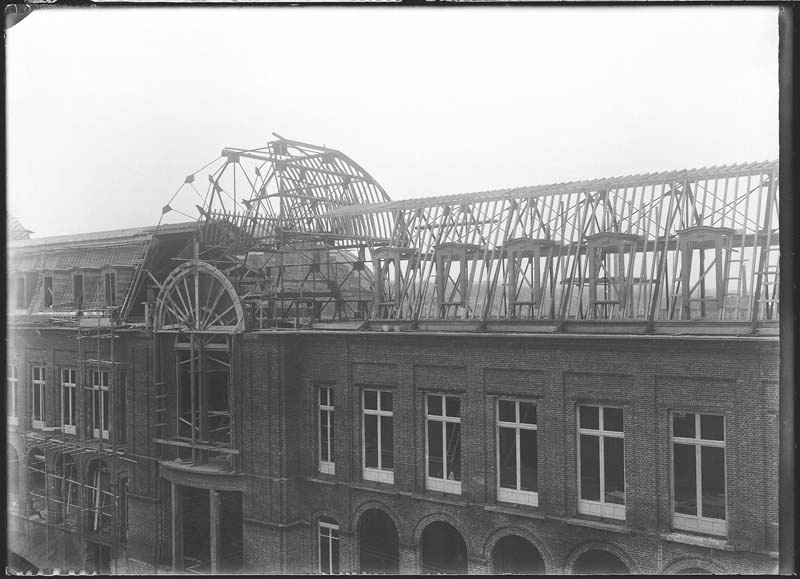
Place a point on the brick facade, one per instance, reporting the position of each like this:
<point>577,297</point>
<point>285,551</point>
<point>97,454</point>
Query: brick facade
<point>275,378</point>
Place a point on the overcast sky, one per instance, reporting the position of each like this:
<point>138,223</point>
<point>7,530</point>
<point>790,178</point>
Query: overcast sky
<point>109,109</point>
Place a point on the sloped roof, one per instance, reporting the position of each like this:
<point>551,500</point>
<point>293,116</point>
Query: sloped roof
<point>15,229</point>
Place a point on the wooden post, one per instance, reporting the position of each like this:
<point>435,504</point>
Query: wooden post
<point>177,527</point>
<point>215,531</point>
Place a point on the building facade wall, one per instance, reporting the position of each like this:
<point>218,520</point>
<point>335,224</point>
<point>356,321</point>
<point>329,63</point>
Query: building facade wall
<point>276,377</point>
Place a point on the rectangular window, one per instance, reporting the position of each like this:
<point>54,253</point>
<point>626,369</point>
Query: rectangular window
<point>38,397</point>
<point>443,435</point>
<point>698,472</point>
<point>110,289</point>
<point>328,548</point>
<point>78,293</point>
<point>601,461</point>
<point>68,391</point>
<point>100,410</point>
<point>19,288</point>
<point>378,436</point>
<point>517,452</point>
<point>48,291</point>
<point>13,381</point>
<point>326,433</point>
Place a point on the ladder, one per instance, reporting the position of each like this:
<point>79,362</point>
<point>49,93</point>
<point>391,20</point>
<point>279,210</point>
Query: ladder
<point>144,259</point>
<point>768,298</point>
<point>732,297</point>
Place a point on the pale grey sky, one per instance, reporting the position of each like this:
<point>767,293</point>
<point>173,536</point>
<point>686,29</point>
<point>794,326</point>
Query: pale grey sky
<point>109,109</point>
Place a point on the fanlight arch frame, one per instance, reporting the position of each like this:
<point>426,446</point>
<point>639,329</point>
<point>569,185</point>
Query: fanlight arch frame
<point>196,297</point>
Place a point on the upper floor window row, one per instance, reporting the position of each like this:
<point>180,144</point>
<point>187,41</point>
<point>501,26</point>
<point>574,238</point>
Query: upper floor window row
<point>87,289</point>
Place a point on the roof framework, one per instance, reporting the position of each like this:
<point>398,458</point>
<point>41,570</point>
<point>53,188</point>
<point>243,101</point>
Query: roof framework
<point>681,245</point>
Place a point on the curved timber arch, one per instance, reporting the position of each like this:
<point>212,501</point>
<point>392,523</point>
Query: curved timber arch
<point>197,297</point>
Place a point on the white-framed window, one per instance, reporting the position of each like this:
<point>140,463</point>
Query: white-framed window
<point>100,409</point>
<point>698,472</point>
<point>326,432</point>
<point>69,388</point>
<point>38,397</point>
<point>328,547</point>
<point>517,452</point>
<point>12,384</point>
<point>601,461</point>
<point>378,436</point>
<point>443,449</point>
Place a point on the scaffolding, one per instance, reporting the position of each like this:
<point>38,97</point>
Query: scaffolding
<point>88,507</point>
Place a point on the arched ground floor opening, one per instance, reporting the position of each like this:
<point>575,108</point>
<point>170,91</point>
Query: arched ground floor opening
<point>443,549</point>
<point>379,544</point>
<point>599,562</point>
<point>518,556</point>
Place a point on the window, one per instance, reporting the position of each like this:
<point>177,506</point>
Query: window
<point>601,461</point>
<point>48,291</point>
<point>101,500</point>
<point>78,293</point>
<point>698,472</point>
<point>326,439</point>
<point>378,442</point>
<point>20,292</point>
<point>13,381</point>
<point>443,433</point>
<point>110,289</point>
<point>517,452</point>
<point>100,412</point>
<point>38,398</point>
<point>68,390</point>
<point>328,546</point>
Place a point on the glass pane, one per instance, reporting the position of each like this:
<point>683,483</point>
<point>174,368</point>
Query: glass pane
<point>323,436</point>
<point>37,415</point>
<point>527,412</point>
<point>324,552</point>
<point>712,427</point>
<point>323,396</point>
<point>371,440</point>
<point>612,419</point>
<point>507,453</point>
<point>712,464</point>
<point>683,424</point>
<point>590,467</point>
<point>96,415</point>
<point>435,462</point>
<point>387,444</point>
<point>106,413</point>
<point>434,405</point>
<point>36,373</point>
<point>529,457</point>
<point>614,469</point>
<point>386,401</point>
<point>335,552</point>
<point>590,417</point>
<point>330,436</point>
<point>453,406</point>
<point>506,411</point>
<point>685,479</point>
<point>330,396</point>
<point>370,399</point>
<point>453,450</point>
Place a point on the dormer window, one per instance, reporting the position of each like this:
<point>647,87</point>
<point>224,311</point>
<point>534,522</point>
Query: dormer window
<point>20,292</point>
<point>78,291</point>
<point>48,291</point>
<point>110,282</point>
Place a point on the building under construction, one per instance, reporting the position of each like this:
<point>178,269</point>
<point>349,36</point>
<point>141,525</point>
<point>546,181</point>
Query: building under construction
<point>309,377</point>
